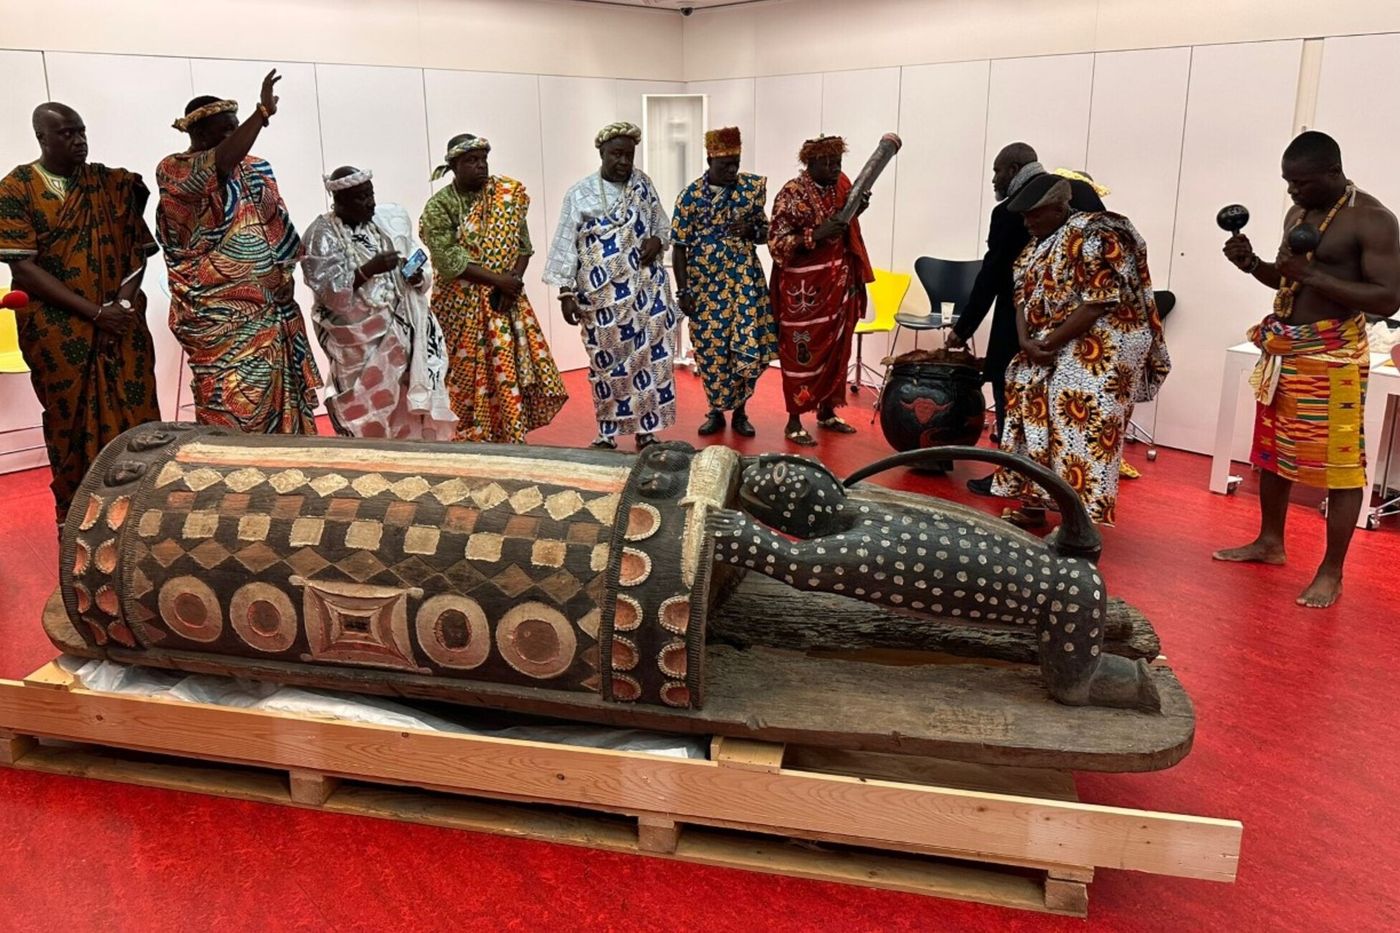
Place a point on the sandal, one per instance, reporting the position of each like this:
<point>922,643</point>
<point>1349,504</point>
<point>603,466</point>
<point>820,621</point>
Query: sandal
<point>604,443</point>
<point>1025,518</point>
<point>645,440</point>
<point>834,423</point>
<point>800,437</point>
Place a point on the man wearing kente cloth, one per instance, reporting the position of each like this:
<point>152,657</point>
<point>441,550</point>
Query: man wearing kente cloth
<point>715,231</point>
<point>502,378</point>
<point>606,262</point>
<point>820,269</point>
<point>388,359</point>
<point>1091,346</point>
<point>232,252</point>
<point>1310,383</point>
<point>74,237</point>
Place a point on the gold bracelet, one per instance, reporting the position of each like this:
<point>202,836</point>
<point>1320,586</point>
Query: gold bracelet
<point>267,117</point>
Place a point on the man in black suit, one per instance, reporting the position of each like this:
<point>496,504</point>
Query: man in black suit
<point>1007,236</point>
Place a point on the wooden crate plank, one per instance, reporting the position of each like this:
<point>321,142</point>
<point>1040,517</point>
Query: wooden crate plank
<point>746,753</point>
<point>1070,897</point>
<point>311,788</point>
<point>13,747</point>
<point>52,676</point>
<point>657,834</point>
<point>975,825</point>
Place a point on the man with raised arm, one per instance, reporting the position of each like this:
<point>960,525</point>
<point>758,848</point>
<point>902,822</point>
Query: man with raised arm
<point>232,252</point>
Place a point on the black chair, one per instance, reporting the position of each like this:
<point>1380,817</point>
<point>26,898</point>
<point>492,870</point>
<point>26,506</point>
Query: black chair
<point>1165,302</point>
<point>947,282</point>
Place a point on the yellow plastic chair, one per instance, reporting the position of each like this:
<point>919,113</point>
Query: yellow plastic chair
<point>886,296</point>
<point>11,360</point>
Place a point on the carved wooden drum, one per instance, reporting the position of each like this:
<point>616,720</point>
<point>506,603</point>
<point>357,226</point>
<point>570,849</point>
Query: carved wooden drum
<point>932,400</point>
<point>539,567</point>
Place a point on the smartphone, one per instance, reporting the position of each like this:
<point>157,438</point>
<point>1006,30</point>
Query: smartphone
<point>415,262</point>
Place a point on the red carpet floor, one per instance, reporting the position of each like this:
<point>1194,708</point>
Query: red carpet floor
<point>1297,737</point>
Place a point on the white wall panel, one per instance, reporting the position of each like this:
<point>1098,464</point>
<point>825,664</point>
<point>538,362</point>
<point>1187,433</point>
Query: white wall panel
<point>21,442</point>
<point>376,118</point>
<point>133,131</point>
<point>787,110</point>
<point>1136,122</point>
<point>862,106</point>
<point>1042,101</point>
<point>572,110</point>
<point>944,170</point>
<point>1365,124</point>
<point>731,103</point>
<point>1138,114</point>
<point>1230,153</point>
<point>505,109</point>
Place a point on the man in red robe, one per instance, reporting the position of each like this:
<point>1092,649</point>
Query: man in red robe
<point>820,267</point>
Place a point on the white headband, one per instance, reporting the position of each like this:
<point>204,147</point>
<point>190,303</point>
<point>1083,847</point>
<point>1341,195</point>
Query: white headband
<point>353,180</point>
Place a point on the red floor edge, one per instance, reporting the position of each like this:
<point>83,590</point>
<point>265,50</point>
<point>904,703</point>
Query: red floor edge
<point>1297,737</point>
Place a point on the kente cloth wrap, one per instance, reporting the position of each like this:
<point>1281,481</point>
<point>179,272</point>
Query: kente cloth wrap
<point>213,108</point>
<point>629,317</point>
<point>617,130</point>
<point>731,329</point>
<point>1310,385</point>
<point>232,250</point>
<point>1072,415</point>
<point>817,291</point>
<point>462,148</point>
<point>92,386</point>
<point>502,379</point>
<point>386,350</point>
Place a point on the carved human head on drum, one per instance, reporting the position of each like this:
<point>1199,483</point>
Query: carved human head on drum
<point>795,495</point>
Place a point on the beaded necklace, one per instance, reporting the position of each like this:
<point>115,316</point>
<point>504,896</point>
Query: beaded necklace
<point>1288,289</point>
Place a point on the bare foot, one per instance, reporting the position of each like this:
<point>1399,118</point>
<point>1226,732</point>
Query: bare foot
<point>1323,591</point>
<point>1259,552</point>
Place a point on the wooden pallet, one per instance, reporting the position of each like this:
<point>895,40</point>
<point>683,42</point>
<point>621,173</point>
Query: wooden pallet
<point>1015,837</point>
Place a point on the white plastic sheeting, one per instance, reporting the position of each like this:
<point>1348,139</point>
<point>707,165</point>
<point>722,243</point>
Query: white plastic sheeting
<point>131,680</point>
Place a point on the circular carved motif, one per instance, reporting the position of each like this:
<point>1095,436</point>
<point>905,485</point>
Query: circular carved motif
<point>642,521</point>
<point>627,614</point>
<point>264,617</point>
<point>636,567</point>
<point>106,557</point>
<point>626,689</point>
<point>453,631</point>
<point>675,614</point>
<point>536,640</point>
<point>191,610</point>
<point>672,659</point>
<point>675,694</point>
<point>624,654</point>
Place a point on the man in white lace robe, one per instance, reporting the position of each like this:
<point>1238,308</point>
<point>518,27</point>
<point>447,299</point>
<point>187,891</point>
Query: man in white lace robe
<point>388,359</point>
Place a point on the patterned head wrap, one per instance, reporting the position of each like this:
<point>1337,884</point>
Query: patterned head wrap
<point>821,146</point>
<point>346,182</point>
<point>616,130</point>
<point>1102,191</point>
<point>723,142</point>
<point>464,145</point>
<point>184,123</point>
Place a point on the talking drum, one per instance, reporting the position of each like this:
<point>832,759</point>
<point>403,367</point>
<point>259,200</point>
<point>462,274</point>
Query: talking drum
<point>537,567</point>
<point>932,400</point>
